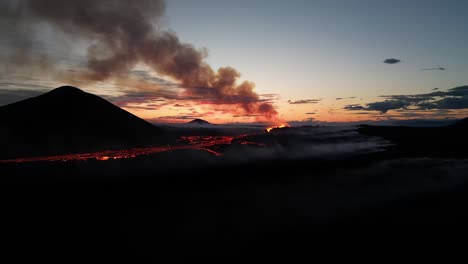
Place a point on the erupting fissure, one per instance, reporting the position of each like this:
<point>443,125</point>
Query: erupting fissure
<point>269,129</point>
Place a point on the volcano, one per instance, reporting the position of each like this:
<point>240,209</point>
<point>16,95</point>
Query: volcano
<point>199,121</point>
<point>67,120</point>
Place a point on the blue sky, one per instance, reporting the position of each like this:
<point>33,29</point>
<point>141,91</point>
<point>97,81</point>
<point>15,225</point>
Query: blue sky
<point>324,44</point>
<point>327,49</point>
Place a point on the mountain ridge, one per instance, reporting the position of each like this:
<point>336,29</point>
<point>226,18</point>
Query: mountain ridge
<point>66,120</point>
<point>198,121</point>
<point>443,141</point>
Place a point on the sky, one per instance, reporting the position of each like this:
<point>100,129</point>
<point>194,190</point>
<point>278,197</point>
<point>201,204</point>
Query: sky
<point>307,61</point>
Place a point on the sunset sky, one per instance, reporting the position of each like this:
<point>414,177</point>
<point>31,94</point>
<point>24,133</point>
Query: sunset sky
<point>310,61</point>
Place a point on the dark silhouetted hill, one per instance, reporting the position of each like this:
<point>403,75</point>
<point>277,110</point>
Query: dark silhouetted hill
<point>444,141</point>
<point>67,120</point>
<point>461,124</point>
<point>199,122</point>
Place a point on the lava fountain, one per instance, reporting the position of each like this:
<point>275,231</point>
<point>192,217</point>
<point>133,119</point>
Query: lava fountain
<point>269,129</point>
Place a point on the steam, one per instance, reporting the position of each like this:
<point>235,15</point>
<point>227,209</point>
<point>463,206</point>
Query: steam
<point>121,34</point>
<point>308,143</point>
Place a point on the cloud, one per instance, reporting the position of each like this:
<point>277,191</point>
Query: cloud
<point>454,98</point>
<point>305,101</point>
<point>438,68</point>
<point>310,113</point>
<point>446,103</point>
<point>406,119</point>
<point>117,36</point>
<point>245,115</point>
<point>341,98</point>
<point>386,105</point>
<point>270,96</point>
<point>8,96</point>
<point>149,78</point>
<point>137,98</point>
<point>354,107</point>
<point>180,117</point>
<point>391,61</point>
<point>139,107</point>
<point>305,140</point>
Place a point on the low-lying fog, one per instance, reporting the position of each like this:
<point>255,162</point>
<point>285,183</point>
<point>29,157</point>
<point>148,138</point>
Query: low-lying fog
<point>314,142</point>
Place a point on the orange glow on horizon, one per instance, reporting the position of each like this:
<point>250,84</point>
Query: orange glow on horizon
<point>298,113</point>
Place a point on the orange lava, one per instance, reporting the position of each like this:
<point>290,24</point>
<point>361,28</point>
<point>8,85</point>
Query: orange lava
<point>206,143</point>
<point>103,158</point>
<point>269,129</point>
<point>215,140</point>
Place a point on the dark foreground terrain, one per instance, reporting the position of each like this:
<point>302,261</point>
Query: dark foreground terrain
<point>217,191</point>
<point>136,211</point>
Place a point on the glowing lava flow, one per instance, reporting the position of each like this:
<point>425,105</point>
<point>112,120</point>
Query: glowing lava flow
<point>191,142</point>
<point>269,129</point>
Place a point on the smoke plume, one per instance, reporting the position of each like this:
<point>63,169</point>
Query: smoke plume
<point>121,34</point>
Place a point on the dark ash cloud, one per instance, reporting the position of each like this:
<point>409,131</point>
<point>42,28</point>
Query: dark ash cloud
<point>120,35</point>
<point>391,61</point>
<point>142,99</point>
<point>305,101</point>
<point>147,77</point>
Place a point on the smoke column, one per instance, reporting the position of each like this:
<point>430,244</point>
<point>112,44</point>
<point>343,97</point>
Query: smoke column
<point>124,33</point>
